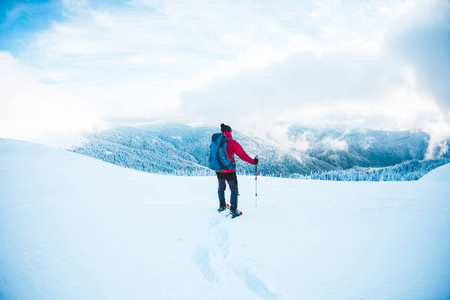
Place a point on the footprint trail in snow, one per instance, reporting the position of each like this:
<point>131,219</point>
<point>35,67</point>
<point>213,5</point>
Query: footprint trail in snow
<point>214,262</point>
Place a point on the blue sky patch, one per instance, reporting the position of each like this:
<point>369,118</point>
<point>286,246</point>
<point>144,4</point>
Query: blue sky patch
<point>20,19</point>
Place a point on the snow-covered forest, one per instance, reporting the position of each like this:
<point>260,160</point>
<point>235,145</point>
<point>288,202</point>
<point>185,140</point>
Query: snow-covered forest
<point>407,171</point>
<point>311,153</point>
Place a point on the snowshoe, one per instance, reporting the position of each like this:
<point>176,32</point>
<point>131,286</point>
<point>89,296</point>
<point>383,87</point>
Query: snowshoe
<point>235,213</point>
<point>222,208</point>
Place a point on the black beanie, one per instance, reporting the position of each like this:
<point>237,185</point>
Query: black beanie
<point>225,128</point>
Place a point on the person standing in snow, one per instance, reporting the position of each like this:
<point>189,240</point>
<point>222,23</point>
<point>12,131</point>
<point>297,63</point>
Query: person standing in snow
<point>229,175</point>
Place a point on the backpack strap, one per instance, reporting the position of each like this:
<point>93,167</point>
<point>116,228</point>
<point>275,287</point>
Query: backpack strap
<point>223,141</point>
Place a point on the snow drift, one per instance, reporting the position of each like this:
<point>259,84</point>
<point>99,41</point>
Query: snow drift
<point>72,227</point>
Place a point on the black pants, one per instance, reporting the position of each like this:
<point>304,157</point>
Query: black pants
<point>230,178</point>
<point>233,184</point>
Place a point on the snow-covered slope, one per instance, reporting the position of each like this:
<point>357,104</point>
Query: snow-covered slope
<point>72,227</point>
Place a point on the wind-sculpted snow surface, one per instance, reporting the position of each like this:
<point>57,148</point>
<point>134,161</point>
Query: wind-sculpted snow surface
<point>72,227</point>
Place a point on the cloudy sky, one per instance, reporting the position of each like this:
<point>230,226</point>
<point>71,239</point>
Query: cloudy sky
<point>70,65</point>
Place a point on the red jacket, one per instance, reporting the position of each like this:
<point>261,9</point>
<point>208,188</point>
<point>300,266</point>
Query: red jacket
<point>233,148</point>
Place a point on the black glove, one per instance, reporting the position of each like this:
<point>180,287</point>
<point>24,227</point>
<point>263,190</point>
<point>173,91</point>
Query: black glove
<point>256,161</point>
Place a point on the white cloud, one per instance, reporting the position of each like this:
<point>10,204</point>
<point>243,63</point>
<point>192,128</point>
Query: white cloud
<point>30,110</point>
<point>253,64</point>
<point>439,132</point>
<point>334,144</point>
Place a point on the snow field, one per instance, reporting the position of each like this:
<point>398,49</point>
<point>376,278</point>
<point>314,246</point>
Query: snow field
<point>72,227</point>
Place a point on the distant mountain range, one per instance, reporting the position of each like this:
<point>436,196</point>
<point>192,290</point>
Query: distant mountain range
<point>184,150</point>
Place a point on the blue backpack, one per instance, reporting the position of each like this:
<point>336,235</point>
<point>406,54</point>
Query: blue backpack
<point>218,158</point>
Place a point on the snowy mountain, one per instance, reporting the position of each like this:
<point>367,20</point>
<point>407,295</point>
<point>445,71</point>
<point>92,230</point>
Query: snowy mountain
<point>179,149</point>
<point>362,148</point>
<point>73,227</point>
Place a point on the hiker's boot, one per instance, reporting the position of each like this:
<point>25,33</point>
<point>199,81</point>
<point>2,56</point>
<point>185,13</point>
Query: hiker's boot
<point>233,201</point>
<point>222,203</point>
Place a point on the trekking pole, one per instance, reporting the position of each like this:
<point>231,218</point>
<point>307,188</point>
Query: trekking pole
<point>256,185</point>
